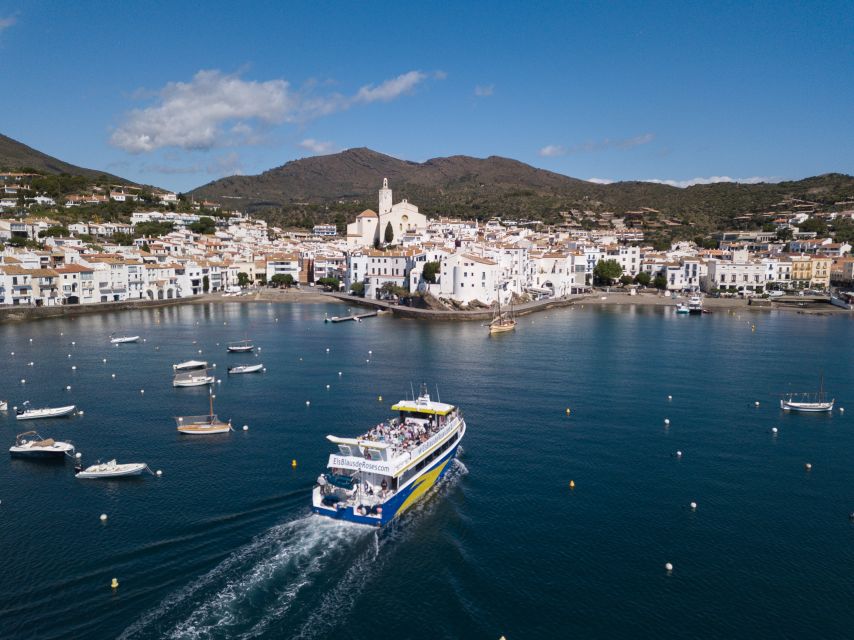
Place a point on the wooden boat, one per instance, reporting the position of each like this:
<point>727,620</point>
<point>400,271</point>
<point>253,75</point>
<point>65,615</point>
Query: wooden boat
<point>189,365</point>
<point>112,469</point>
<point>250,368</point>
<point>502,322</point>
<point>203,425</point>
<point>241,346</point>
<point>46,412</point>
<point>32,445</point>
<point>808,402</point>
<point>124,339</point>
<point>192,379</point>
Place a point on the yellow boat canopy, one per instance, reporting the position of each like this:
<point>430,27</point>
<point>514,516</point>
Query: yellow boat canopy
<point>429,407</point>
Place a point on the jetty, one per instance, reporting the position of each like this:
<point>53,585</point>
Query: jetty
<point>357,317</point>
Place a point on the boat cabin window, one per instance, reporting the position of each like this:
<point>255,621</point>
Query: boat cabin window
<point>347,450</point>
<point>375,454</point>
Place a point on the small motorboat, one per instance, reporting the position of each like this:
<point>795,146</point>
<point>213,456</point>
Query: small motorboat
<point>192,379</point>
<point>249,368</point>
<point>190,365</point>
<point>124,339</point>
<point>4,406</point>
<point>32,445</point>
<point>47,412</point>
<point>241,346</point>
<point>203,425</point>
<point>112,469</point>
<point>682,309</point>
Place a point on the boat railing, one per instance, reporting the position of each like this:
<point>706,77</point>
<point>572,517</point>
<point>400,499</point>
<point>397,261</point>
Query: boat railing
<point>431,442</point>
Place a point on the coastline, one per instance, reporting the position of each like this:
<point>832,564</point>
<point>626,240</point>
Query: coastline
<point>313,296</point>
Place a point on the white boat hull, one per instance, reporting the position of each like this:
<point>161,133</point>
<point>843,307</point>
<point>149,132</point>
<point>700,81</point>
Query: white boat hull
<point>125,340</point>
<point>189,365</point>
<point>807,407</point>
<point>255,368</point>
<point>3,405</point>
<point>240,349</point>
<point>39,414</point>
<point>194,382</point>
<point>113,470</point>
<point>54,452</point>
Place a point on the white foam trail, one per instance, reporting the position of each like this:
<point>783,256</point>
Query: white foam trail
<point>299,546</point>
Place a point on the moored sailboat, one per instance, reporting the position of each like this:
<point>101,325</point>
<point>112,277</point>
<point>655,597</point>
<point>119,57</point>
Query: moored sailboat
<point>815,402</point>
<point>202,425</point>
<point>502,322</point>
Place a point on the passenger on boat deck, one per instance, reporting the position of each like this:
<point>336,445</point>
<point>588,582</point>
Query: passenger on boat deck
<point>324,485</point>
<point>368,490</point>
<point>383,488</point>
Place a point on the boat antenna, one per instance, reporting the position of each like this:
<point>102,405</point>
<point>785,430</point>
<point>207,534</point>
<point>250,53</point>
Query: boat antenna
<point>412,389</point>
<point>437,393</point>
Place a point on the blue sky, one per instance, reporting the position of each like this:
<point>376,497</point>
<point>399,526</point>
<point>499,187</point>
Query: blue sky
<point>177,94</point>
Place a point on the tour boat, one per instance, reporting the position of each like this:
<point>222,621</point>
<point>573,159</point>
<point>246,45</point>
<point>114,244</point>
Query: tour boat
<point>112,469</point>
<point>808,402</point>
<point>32,445</point>
<point>46,412</point>
<point>242,346</point>
<point>192,378</point>
<point>124,339</point>
<point>203,425</point>
<point>189,365</point>
<point>379,475</point>
<point>246,368</point>
<point>502,322</point>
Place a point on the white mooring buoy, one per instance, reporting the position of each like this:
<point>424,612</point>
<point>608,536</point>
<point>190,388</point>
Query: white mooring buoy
<point>308,403</point>
<point>667,421</point>
<point>159,473</point>
<point>774,430</point>
<point>693,506</point>
<point>678,454</point>
<point>668,567</point>
<point>103,517</point>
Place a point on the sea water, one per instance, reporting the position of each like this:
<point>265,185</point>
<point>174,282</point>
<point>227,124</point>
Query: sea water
<point>223,545</point>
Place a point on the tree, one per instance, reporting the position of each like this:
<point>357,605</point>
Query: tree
<point>814,224</point>
<point>262,279</point>
<point>145,247</point>
<point>357,288</point>
<point>843,230</point>
<point>643,279</point>
<point>660,282</point>
<point>430,271</point>
<point>282,280</point>
<point>205,225</point>
<point>206,284</point>
<point>606,271</point>
<point>242,279</point>
<point>152,229</point>
<point>56,231</point>
<point>124,239</point>
<point>626,280</point>
<point>389,233</point>
<point>330,283</point>
<point>784,234</point>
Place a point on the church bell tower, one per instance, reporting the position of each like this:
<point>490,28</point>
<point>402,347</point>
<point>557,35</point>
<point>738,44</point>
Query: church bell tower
<point>385,199</point>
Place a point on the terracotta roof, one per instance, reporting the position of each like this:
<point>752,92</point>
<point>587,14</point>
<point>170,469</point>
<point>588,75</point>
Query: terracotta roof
<point>367,213</point>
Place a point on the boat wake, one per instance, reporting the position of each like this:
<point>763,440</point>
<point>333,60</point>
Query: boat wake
<point>299,579</point>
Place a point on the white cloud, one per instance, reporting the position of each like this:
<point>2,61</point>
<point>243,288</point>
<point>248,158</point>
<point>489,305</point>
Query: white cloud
<point>552,151</point>
<point>216,109</point>
<point>317,147</point>
<point>390,89</point>
<point>227,165</point>
<point>713,180</point>
<point>5,23</point>
<point>600,180</point>
<point>484,90</point>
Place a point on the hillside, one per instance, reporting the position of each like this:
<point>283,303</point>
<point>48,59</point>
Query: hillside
<point>16,155</point>
<point>333,188</point>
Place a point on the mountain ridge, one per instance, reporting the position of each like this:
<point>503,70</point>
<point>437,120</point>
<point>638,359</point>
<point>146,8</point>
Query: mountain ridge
<point>17,155</point>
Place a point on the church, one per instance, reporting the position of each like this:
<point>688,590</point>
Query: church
<point>370,226</point>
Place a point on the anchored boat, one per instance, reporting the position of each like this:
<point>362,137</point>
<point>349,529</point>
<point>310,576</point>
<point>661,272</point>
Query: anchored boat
<point>47,412</point>
<point>32,445</point>
<point>379,475</point>
<point>124,339</point>
<point>203,425</point>
<point>197,378</point>
<point>112,469</point>
<point>502,322</point>
<point>3,405</point>
<point>241,346</point>
<point>189,365</point>
<point>247,368</point>
<point>815,402</point>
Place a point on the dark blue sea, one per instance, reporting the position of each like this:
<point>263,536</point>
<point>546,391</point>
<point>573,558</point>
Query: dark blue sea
<point>223,545</point>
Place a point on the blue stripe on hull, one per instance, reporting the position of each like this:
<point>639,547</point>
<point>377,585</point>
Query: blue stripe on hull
<point>394,504</point>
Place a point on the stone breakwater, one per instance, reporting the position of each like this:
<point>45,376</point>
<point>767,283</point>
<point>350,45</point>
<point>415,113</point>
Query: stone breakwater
<point>25,314</point>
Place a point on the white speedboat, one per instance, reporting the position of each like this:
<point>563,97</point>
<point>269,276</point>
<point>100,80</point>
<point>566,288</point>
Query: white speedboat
<point>808,402</point>
<point>4,405</point>
<point>249,368</point>
<point>189,365</point>
<point>203,425</point>
<point>682,309</point>
<point>112,469</point>
<point>242,346</point>
<point>695,305</point>
<point>192,379</point>
<point>47,412</point>
<point>382,473</point>
<point>32,445</point>
<point>124,339</point>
